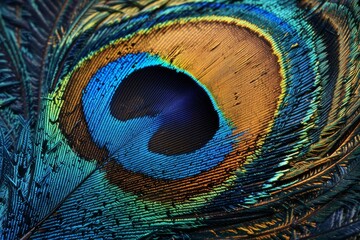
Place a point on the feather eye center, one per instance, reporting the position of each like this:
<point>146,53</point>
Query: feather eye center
<point>187,115</point>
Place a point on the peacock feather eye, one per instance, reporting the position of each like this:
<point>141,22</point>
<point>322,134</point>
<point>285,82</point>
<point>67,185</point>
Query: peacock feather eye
<point>149,103</point>
<point>154,119</point>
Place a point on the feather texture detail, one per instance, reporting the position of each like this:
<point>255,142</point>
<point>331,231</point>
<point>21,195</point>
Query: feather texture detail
<point>174,119</point>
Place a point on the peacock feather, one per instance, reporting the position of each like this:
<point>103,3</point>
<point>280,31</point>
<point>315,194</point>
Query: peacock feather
<point>179,119</point>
